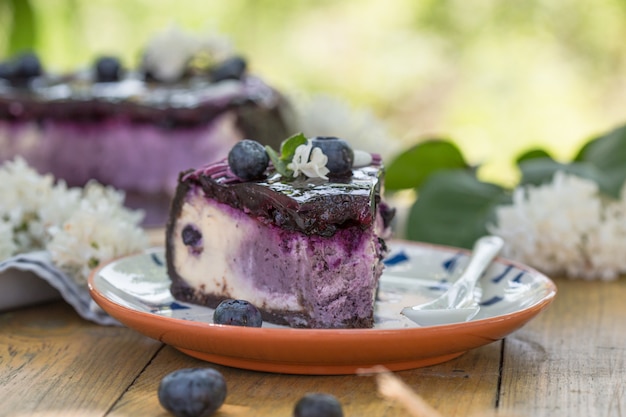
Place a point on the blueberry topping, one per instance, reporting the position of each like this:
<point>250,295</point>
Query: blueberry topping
<point>340,154</point>
<point>108,69</point>
<point>318,405</point>
<point>22,68</point>
<point>192,237</point>
<point>192,392</point>
<point>237,313</point>
<point>230,69</point>
<point>248,160</point>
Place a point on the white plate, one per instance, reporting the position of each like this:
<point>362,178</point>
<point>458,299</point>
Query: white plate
<point>135,290</point>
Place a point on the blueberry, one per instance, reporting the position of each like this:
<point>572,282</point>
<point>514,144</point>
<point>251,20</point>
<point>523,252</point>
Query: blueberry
<point>340,154</point>
<point>108,69</point>
<point>23,68</point>
<point>230,69</point>
<point>237,313</point>
<point>192,237</point>
<point>318,405</point>
<point>192,392</point>
<point>248,160</point>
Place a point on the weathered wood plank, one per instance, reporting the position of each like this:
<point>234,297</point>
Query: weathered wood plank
<point>470,380</point>
<point>52,362</point>
<point>571,360</point>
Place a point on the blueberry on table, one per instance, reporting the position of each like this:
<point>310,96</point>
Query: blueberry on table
<point>108,69</point>
<point>192,392</point>
<point>318,405</point>
<point>340,154</point>
<point>248,160</point>
<point>237,313</point>
<point>230,69</point>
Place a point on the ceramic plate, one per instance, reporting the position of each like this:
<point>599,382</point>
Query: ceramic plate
<point>135,290</point>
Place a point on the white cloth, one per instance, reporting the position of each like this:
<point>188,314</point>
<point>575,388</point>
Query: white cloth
<point>40,265</point>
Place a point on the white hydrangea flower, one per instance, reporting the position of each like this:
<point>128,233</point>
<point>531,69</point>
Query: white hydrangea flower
<point>100,229</point>
<point>310,161</point>
<point>565,227</point>
<point>7,245</point>
<point>80,227</point>
<point>323,115</point>
<point>169,52</point>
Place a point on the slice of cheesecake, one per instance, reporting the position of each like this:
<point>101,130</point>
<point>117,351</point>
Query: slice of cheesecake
<point>306,251</point>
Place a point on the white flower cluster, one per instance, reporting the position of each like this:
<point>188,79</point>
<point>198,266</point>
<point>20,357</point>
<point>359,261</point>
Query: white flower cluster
<point>309,161</point>
<point>566,227</point>
<point>322,115</point>
<point>81,228</point>
<point>169,52</point>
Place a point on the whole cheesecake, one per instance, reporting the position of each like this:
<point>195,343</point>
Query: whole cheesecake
<point>307,252</point>
<point>134,129</point>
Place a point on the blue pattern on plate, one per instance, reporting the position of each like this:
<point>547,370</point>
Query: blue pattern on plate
<point>396,259</point>
<point>503,274</point>
<point>156,259</point>
<point>493,300</point>
<point>450,264</point>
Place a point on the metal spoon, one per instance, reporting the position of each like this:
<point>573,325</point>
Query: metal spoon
<point>458,304</point>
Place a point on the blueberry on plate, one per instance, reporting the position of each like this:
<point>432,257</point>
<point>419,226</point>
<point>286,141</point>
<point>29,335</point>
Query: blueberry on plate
<point>248,160</point>
<point>340,154</point>
<point>192,392</point>
<point>23,68</point>
<point>230,69</point>
<point>237,313</point>
<point>318,405</point>
<point>108,69</point>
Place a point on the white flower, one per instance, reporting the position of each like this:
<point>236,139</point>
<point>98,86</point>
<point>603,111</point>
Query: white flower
<point>323,115</point>
<point>310,161</point>
<point>81,228</point>
<point>7,245</point>
<point>168,53</point>
<point>100,229</point>
<point>565,227</point>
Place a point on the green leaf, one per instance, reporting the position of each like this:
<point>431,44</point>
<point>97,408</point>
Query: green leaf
<point>23,29</point>
<point>453,208</point>
<point>411,168</point>
<point>541,171</point>
<point>288,146</point>
<point>279,164</point>
<point>608,154</point>
<point>533,154</point>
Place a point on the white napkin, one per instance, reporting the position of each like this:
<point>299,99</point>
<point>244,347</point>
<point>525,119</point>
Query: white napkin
<point>41,266</point>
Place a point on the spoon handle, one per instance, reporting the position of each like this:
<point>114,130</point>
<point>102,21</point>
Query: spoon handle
<point>485,250</point>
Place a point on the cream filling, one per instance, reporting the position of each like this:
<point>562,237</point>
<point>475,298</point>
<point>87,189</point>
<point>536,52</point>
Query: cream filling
<point>214,270</point>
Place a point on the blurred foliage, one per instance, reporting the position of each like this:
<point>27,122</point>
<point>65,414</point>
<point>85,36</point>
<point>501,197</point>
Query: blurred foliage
<point>498,76</point>
<point>454,207</point>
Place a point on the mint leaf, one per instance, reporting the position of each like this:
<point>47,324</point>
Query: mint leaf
<point>289,145</point>
<point>453,208</point>
<point>411,168</point>
<point>278,163</point>
<point>533,154</point>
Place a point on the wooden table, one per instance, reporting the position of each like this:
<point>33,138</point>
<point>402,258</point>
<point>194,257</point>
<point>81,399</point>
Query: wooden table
<point>569,361</point>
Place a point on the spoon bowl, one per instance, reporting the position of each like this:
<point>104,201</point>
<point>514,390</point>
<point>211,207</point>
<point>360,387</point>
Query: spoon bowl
<point>458,304</point>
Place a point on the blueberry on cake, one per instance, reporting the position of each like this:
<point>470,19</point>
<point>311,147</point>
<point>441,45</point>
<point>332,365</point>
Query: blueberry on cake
<point>185,104</point>
<point>299,234</point>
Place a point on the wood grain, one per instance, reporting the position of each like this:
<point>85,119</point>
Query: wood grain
<point>471,379</point>
<point>571,360</point>
<point>54,363</point>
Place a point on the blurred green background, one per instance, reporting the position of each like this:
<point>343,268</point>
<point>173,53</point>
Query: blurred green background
<point>496,76</point>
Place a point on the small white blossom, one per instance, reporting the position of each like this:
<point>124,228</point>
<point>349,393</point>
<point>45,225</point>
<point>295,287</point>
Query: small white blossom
<point>7,245</point>
<point>565,227</point>
<point>323,115</point>
<point>81,228</point>
<point>168,53</point>
<point>310,161</point>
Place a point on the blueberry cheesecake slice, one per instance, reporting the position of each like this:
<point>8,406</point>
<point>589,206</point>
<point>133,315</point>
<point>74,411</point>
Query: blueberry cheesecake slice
<point>298,233</point>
